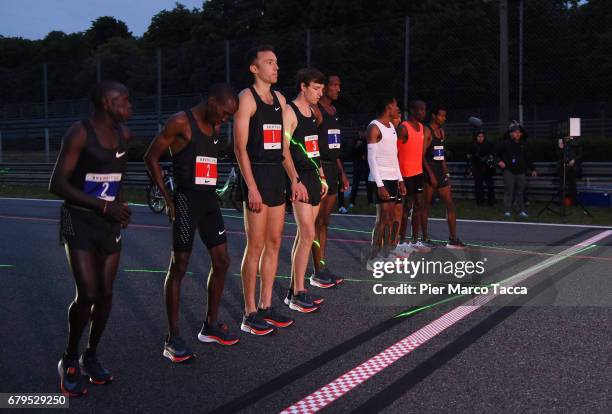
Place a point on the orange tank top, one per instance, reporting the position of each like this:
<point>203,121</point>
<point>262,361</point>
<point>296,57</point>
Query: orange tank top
<point>410,153</point>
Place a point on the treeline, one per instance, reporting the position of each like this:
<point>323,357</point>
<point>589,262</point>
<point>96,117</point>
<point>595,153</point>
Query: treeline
<point>453,53</point>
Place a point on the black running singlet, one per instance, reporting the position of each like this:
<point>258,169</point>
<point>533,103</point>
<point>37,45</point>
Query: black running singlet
<point>305,142</point>
<point>265,143</point>
<point>329,136</point>
<point>195,166</point>
<point>435,152</point>
<point>99,171</point>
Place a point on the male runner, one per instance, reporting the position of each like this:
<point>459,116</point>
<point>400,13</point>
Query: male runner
<point>88,175</point>
<point>192,137</point>
<point>329,145</point>
<point>438,178</point>
<point>300,124</point>
<point>385,176</point>
<point>411,135</point>
<point>262,152</point>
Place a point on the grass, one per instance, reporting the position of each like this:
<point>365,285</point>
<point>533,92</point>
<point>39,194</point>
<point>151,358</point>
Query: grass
<point>466,209</point>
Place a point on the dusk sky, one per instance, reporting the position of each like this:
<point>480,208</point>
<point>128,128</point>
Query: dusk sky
<point>33,19</point>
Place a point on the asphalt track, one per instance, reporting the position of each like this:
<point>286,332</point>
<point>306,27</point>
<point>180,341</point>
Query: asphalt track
<point>547,351</point>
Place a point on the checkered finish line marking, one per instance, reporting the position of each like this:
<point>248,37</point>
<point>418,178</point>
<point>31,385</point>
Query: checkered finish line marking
<point>346,382</point>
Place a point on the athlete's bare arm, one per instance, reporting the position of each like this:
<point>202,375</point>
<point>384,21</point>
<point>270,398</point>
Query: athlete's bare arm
<point>298,191</point>
<point>72,145</point>
<point>426,144</point>
<point>402,133</point>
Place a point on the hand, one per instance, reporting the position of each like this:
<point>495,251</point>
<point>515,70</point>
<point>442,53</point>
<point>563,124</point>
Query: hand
<point>534,173</point>
<point>571,163</point>
<point>298,192</point>
<point>119,212</point>
<point>501,164</point>
<point>170,209</point>
<point>324,188</point>
<point>345,183</point>
<point>402,188</point>
<point>255,200</point>
<point>383,194</point>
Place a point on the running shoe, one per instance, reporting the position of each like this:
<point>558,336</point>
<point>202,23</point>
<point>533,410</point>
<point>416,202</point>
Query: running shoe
<point>91,367</point>
<point>271,316</point>
<point>399,252</point>
<point>428,243</point>
<point>342,210</point>
<point>406,248</point>
<point>508,214</point>
<point>71,380</point>
<point>302,302</point>
<point>335,278</point>
<point>218,333</point>
<point>419,247</point>
<point>455,243</point>
<point>256,325</point>
<point>523,214</point>
<point>176,350</point>
<point>315,298</point>
<point>321,280</point>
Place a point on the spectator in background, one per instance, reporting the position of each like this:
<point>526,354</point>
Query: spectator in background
<point>514,160</point>
<point>360,169</point>
<point>569,154</point>
<point>482,158</point>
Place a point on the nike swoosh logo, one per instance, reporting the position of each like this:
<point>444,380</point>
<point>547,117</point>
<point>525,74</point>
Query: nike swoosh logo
<point>221,232</point>
<point>276,109</point>
<point>118,239</point>
<point>120,154</point>
<point>215,141</point>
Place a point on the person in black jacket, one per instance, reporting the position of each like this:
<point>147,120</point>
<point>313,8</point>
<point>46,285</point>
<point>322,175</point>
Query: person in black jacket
<point>570,158</point>
<point>513,158</point>
<point>360,170</point>
<point>482,158</point>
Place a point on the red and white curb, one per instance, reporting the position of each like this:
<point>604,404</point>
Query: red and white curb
<point>346,382</point>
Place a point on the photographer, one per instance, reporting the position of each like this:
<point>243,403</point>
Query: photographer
<point>482,158</point>
<point>513,158</point>
<point>569,154</point>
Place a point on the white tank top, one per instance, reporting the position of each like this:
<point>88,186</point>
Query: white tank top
<point>386,153</point>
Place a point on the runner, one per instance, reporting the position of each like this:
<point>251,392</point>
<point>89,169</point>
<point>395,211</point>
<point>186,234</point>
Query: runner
<point>411,135</point>
<point>329,144</point>
<point>385,176</point>
<point>88,174</point>
<point>192,137</point>
<point>438,178</point>
<point>262,152</point>
<point>300,123</point>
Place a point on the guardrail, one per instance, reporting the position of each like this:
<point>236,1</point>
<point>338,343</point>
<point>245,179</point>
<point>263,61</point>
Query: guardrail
<point>595,175</point>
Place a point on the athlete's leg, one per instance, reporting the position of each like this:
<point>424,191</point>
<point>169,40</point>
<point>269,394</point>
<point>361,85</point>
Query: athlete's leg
<point>321,225</point>
<point>255,225</point>
<point>107,272</point>
<point>428,191</point>
<point>398,212</point>
<point>407,207</point>
<point>305,216</point>
<point>268,265</point>
<point>216,281</point>
<point>179,260</point>
<point>417,209</point>
<point>83,268</point>
<point>451,214</point>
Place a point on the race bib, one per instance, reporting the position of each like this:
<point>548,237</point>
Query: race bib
<point>206,171</point>
<point>272,136</point>
<point>312,145</point>
<point>104,186</point>
<point>438,152</point>
<point>333,138</point>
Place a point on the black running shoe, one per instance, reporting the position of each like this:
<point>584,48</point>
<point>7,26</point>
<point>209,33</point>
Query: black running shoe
<point>315,298</point>
<point>302,302</point>
<point>71,380</point>
<point>256,325</point>
<point>218,333</point>
<point>91,367</point>
<point>455,244</point>
<point>271,316</point>
<point>321,280</point>
<point>176,350</point>
<point>336,280</point>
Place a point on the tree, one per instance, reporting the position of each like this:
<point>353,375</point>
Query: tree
<point>104,28</point>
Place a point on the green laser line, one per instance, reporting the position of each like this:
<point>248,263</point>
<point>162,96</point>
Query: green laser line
<point>6,265</point>
<point>150,271</point>
<point>300,146</point>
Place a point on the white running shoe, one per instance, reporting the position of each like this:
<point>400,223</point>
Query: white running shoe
<point>418,246</point>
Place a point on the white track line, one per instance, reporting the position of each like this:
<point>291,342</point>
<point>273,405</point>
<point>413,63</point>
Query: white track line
<point>371,216</point>
<point>356,376</point>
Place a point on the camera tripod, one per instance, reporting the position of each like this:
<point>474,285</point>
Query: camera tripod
<point>559,197</point>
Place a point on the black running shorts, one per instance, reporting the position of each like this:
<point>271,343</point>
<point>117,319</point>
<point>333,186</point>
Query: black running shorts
<point>197,210</point>
<point>85,229</point>
<point>442,179</point>
<point>270,181</point>
<point>414,184</point>
<point>312,182</point>
<point>331,171</point>
<point>393,189</point>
